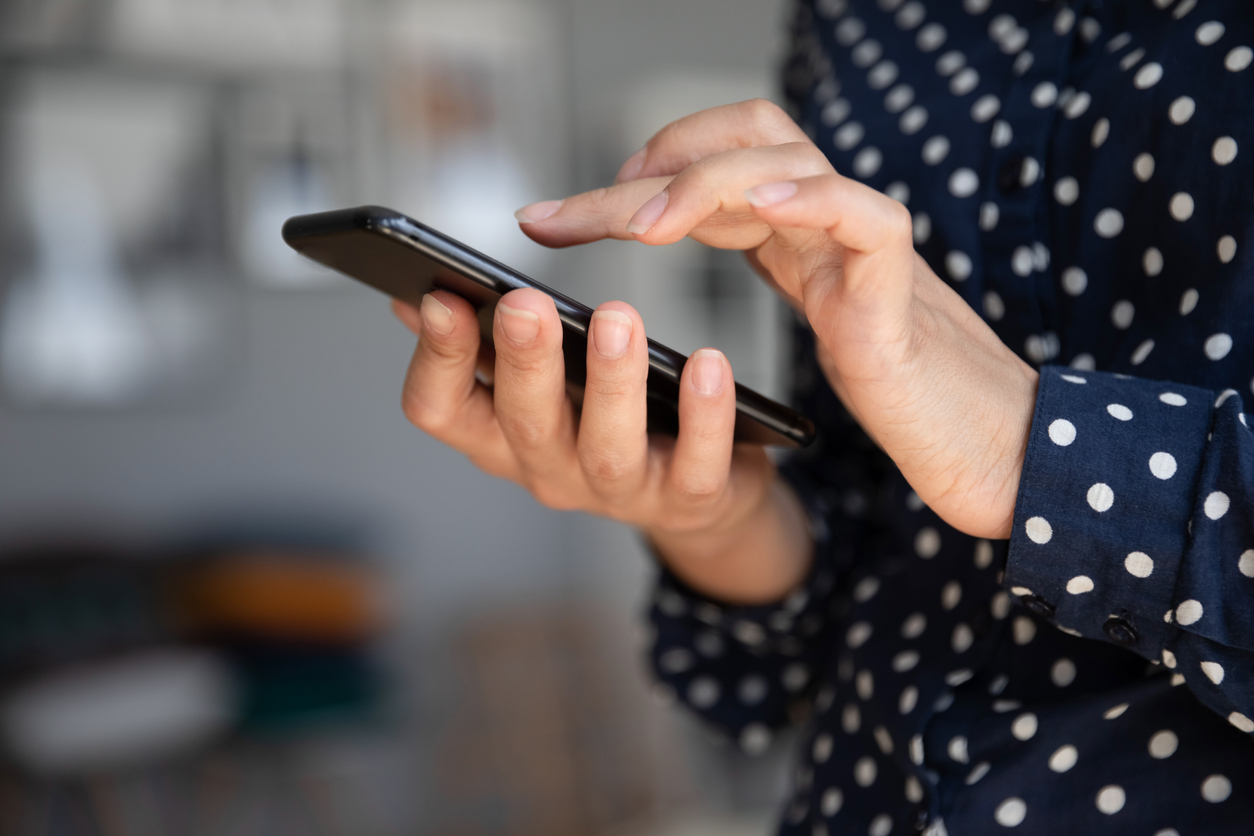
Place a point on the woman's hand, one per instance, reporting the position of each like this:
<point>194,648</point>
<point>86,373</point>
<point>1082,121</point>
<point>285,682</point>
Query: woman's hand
<point>927,379</point>
<point>713,505</point>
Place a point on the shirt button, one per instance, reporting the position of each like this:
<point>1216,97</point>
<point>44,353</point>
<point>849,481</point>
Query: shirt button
<point>1120,632</point>
<point>1009,176</point>
<point>1039,605</point>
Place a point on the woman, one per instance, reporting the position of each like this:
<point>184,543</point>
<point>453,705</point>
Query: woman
<point>1079,175</point>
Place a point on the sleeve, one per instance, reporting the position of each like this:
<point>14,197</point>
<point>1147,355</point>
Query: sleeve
<point>749,670</point>
<point>1135,525</point>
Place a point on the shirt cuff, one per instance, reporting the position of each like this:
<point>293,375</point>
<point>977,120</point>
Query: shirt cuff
<point>1105,498</point>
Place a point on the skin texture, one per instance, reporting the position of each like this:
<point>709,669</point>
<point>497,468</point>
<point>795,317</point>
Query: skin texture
<point>922,373</point>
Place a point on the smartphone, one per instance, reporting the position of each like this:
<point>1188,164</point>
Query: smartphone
<point>406,259</point>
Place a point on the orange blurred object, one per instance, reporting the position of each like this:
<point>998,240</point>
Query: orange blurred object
<point>281,596</point>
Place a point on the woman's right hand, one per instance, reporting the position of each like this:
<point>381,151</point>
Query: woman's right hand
<point>714,509</point>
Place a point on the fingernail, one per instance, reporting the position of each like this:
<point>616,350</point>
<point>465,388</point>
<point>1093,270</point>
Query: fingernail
<point>611,332</point>
<point>435,316</point>
<point>646,216</point>
<point>632,167</point>
<point>520,326</point>
<point>769,194</point>
<point>707,371</point>
<point>538,211</point>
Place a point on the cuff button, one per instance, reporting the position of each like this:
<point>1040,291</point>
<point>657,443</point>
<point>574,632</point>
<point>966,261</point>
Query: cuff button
<point>1120,632</point>
<point>1039,605</point>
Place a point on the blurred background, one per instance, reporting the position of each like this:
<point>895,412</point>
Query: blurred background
<point>239,594</point>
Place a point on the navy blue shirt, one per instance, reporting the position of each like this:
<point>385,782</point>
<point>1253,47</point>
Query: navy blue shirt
<point>1083,175</point>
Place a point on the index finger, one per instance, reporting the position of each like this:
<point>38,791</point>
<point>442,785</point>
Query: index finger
<point>748,124</point>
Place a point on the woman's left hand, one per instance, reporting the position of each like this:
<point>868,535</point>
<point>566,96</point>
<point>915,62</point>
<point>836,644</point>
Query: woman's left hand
<point>919,369</point>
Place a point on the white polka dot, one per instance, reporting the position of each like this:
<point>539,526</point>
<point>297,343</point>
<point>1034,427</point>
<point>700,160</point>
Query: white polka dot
<point>1110,799</point>
<point>1078,105</point>
<point>931,37</point>
<point>957,749</point>
<point>866,588</point>
<point>1183,8</point>
<point>1214,672</point>
<point>703,692</point>
<point>1245,564</point>
<point>755,739</point>
<point>1062,673</point>
<point>1080,584</point>
<point>951,594</point>
<point>882,74</point>
<point>1021,261</point>
<point>1114,712</point>
<point>935,150</point>
<point>1216,788</point>
<point>913,626</point>
<point>1163,465</point>
<point>955,678</point>
<point>910,15</point>
<point>1064,758</point>
<point>963,182</point>
<point>1101,130</point>
<point>908,700</point>
<point>858,633</point>
<point>1169,658</point>
<point>1173,399</point>
<point>1074,281</point>
<point>1108,223</point>
<point>1242,722</point>
<point>1062,432</point>
<point>1181,206</point>
<point>1152,261</point>
<point>752,689</point>
<point>1216,505</point>
<point>962,638</point>
<point>1181,110</point>
<point>905,660</point>
<point>864,771</point>
<point>899,98</point>
<point>1224,150</point>
<point>795,677</point>
<point>849,135</point>
<point>994,307</point>
<point>1044,94</point>
<point>1239,58</point>
<point>831,801</point>
<point>881,825</point>
<point>927,542</point>
<point>1100,497</point>
<point>1142,351</point>
<point>864,685</point>
<point>1071,378</point>
<point>1139,564</point>
<point>922,227</point>
<point>867,162</point>
<point>1122,313</point>
<point>1163,744</point>
<point>1130,60</point>
<point>964,81</point>
<point>958,264</point>
<point>1084,362</point>
<point>1024,726</point>
<point>1209,32</point>
<point>950,63</point>
<point>1218,346</point>
<point>1011,812</point>
<point>985,108</point>
<point>913,120</point>
<point>1227,248</point>
<point>850,31</point>
<point>1143,167</point>
<point>1148,76</point>
<point>1002,134</point>
<point>1039,530</point>
<point>822,748</point>
<point>977,772</point>
<point>676,660</point>
<point>851,719</point>
<point>1066,191</point>
<point>1177,679</point>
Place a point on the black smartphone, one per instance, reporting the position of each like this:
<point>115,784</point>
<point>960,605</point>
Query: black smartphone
<point>406,259</point>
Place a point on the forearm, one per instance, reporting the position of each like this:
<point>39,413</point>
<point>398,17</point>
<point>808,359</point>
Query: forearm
<point>756,559</point>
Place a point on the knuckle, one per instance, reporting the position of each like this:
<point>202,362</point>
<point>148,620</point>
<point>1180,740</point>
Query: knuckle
<point>423,414</point>
<point>604,471</point>
<point>697,490</point>
<point>525,431</point>
<point>764,113</point>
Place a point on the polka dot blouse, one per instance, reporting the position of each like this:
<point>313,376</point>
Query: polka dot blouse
<point>1083,175</point>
